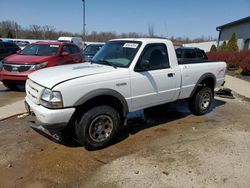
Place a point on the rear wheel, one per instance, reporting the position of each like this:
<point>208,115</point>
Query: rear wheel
<point>97,127</point>
<point>200,103</point>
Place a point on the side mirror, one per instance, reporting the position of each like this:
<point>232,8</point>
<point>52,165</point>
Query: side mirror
<point>63,54</point>
<point>143,66</point>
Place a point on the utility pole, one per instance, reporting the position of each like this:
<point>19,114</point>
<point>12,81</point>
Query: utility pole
<point>83,22</point>
<point>16,28</point>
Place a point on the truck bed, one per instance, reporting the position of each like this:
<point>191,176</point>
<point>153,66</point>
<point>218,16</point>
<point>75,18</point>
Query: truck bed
<point>194,61</point>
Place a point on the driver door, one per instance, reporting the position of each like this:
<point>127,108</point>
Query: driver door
<point>153,81</point>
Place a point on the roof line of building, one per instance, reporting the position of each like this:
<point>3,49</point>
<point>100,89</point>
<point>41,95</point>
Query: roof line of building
<point>233,23</point>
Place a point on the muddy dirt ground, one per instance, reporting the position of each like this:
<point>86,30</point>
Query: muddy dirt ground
<point>7,96</point>
<point>170,148</point>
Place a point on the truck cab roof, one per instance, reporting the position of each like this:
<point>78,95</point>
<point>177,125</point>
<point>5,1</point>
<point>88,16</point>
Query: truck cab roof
<point>146,40</point>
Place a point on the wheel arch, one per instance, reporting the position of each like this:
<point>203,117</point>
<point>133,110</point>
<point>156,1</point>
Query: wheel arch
<point>104,96</point>
<point>207,79</point>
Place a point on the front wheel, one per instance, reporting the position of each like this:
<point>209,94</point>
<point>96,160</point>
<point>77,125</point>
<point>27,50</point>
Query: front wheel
<point>97,127</point>
<point>200,103</point>
<point>12,87</point>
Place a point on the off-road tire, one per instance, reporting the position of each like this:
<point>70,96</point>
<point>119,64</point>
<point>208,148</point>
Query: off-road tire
<point>88,123</point>
<point>200,103</point>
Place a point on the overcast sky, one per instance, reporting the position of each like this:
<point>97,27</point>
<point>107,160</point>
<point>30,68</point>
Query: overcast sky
<point>184,18</point>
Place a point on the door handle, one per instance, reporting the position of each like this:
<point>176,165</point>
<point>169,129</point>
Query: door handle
<point>171,74</point>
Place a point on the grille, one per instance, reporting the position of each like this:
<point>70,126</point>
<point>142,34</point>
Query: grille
<point>33,91</point>
<point>16,67</point>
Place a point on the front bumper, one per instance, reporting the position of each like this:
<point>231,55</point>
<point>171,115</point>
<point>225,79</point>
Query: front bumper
<point>50,118</point>
<point>14,76</point>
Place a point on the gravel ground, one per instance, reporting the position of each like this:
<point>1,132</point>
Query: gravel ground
<point>170,148</point>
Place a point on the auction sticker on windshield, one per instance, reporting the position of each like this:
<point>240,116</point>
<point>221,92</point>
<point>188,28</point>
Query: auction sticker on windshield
<point>130,45</point>
<point>54,46</point>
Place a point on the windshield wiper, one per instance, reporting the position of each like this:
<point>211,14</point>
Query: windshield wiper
<point>108,63</point>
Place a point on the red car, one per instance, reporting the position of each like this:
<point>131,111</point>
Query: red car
<point>15,68</point>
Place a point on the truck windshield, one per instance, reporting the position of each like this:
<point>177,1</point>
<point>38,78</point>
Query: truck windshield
<point>40,50</point>
<point>92,48</point>
<point>117,53</point>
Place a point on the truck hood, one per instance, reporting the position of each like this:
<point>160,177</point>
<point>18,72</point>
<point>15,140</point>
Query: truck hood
<point>49,77</point>
<point>16,58</point>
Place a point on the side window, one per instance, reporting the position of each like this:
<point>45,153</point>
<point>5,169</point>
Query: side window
<point>189,54</point>
<point>66,48</point>
<point>6,44</point>
<point>14,45</point>
<point>156,56</point>
<point>199,54</point>
<point>178,53</point>
<point>74,49</point>
<point>204,55</point>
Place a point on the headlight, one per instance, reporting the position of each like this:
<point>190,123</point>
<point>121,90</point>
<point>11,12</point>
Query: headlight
<point>51,99</point>
<point>38,66</point>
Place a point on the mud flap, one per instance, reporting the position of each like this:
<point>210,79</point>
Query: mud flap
<point>224,93</point>
<point>52,135</point>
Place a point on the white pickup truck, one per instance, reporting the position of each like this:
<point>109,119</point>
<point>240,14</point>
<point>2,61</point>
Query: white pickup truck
<point>124,76</point>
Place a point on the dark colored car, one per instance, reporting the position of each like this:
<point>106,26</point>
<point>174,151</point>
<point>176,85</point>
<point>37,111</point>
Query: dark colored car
<point>21,44</point>
<point>90,51</point>
<point>187,55</point>
<point>17,67</point>
<point>7,48</point>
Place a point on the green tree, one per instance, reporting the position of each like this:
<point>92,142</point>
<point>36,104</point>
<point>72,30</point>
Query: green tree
<point>213,48</point>
<point>232,44</point>
<point>223,47</point>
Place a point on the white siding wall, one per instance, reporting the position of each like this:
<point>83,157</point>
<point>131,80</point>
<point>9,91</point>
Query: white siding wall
<point>240,43</point>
